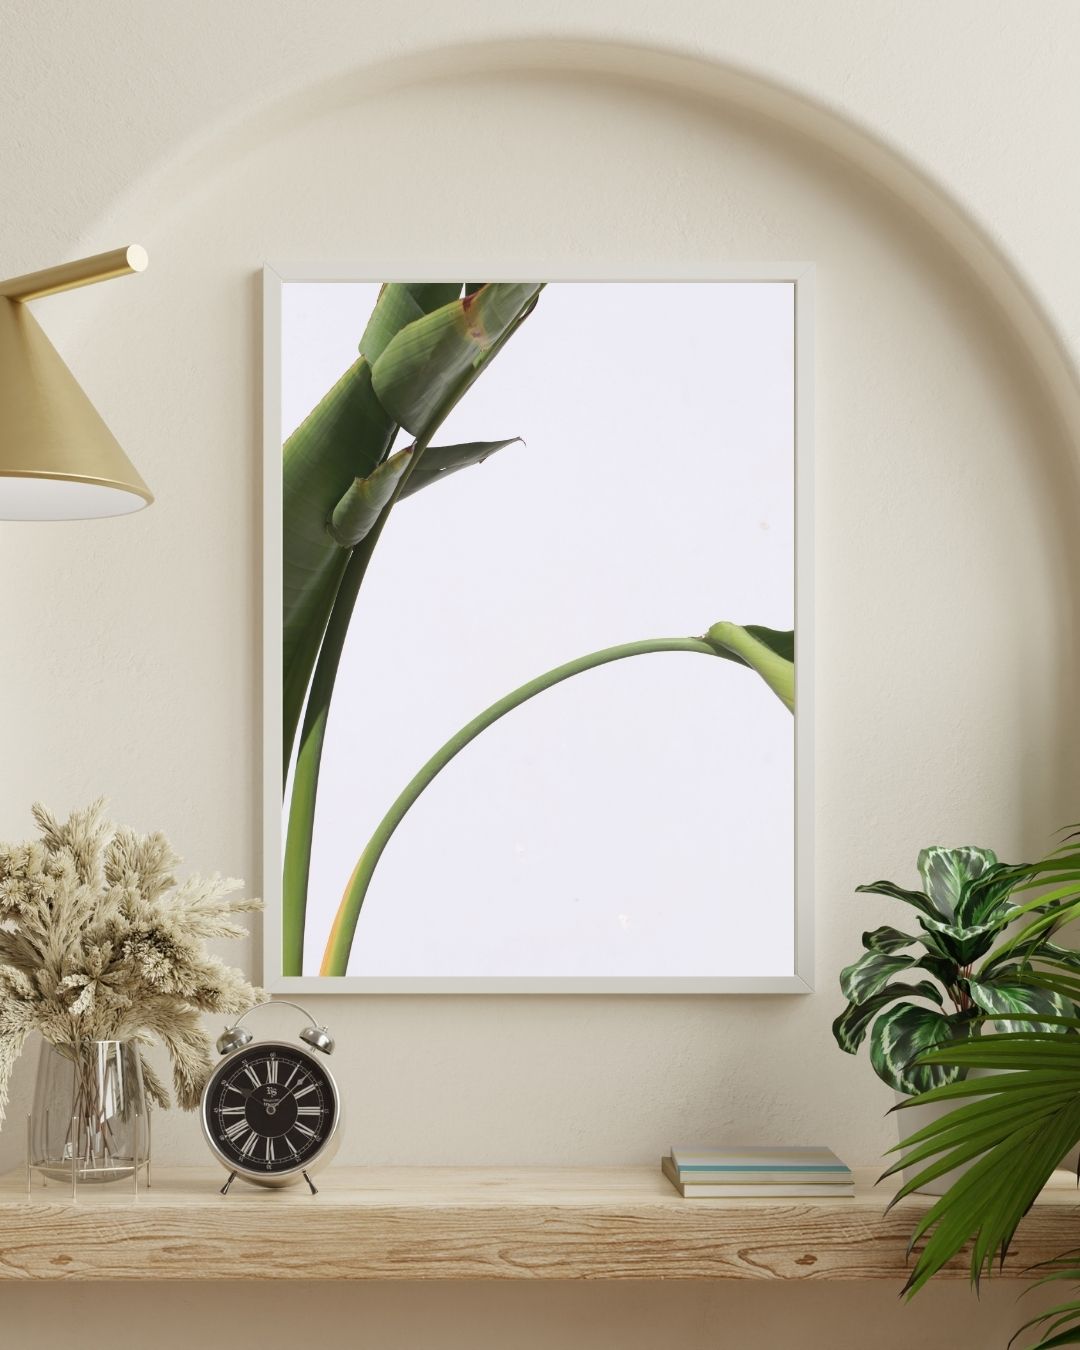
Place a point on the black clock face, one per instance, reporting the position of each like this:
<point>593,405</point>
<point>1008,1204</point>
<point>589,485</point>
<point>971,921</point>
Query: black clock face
<point>270,1108</point>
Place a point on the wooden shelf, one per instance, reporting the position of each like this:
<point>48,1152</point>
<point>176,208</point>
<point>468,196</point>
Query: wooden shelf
<point>438,1223</point>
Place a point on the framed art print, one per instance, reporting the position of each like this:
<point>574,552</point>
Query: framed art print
<point>538,621</point>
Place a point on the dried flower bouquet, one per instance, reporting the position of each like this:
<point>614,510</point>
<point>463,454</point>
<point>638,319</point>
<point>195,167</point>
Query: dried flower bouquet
<point>100,941</point>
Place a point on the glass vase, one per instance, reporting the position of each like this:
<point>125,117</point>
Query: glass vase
<point>90,1122</point>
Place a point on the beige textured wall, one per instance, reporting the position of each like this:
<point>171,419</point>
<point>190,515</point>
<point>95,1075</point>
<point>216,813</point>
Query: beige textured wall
<point>223,135</point>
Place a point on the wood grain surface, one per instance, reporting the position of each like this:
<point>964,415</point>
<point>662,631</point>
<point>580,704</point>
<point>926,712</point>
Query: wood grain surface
<point>438,1223</point>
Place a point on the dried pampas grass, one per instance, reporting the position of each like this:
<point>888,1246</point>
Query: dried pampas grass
<point>99,941</point>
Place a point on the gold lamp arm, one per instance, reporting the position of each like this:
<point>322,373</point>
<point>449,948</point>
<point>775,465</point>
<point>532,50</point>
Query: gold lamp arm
<point>58,459</point>
<point>120,262</point>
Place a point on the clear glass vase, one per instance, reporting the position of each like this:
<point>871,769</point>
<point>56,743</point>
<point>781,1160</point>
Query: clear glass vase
<point>90,1121</point>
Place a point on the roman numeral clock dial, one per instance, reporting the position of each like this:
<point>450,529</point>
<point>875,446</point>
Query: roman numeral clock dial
<point>269,1113</point>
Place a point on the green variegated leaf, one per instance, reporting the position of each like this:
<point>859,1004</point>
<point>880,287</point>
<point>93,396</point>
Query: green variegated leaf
<point>886,939</point>
<point>936,945</point>
<point>904,1032</point>
<point>354,517</point>
<point>1014,1126</point>
<point>916,899</point>
<point>1003,996</point>
<point>941,967</point>
<point>963,945</point>
<point>988,895</point>
<point>1062,982</point>
<point>945,871</point>
<point>1052,951</point>
<point>850,1027</point>
<point>1026,945</point>
<point>440,461</point>
<point>871,972</point>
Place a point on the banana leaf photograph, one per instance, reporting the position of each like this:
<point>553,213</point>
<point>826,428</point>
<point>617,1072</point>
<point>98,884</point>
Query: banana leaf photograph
<point>532,593</point>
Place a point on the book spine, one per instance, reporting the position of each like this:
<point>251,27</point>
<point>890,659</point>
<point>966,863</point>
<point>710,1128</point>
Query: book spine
<point>765,1192</point>
<point>767,1165</point>
<point>765,1178</point>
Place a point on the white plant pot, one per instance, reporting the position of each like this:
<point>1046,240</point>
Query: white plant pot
<point>914,1118</point>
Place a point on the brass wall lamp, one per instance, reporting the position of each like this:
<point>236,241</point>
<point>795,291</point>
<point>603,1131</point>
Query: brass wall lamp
<point>58,459</point>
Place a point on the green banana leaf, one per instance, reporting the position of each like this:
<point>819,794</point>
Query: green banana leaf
<point>356,513</point>
<point>440,461</point>
<point>769,651</point>
<point>344,438</point>
<point>427,366</point>
<point>399,305</point>
<point>417,374</point>
<point>354,517</point>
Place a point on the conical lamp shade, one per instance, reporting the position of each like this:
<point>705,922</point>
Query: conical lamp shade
<point>58,459</point>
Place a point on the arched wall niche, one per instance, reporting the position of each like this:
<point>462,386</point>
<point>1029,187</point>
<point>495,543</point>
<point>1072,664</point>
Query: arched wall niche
<point>682,75</point>
<point>946,521</point>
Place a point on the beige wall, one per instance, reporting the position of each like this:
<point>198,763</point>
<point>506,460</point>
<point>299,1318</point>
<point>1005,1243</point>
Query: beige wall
<point>508,1317</point>
<point>220,136</point>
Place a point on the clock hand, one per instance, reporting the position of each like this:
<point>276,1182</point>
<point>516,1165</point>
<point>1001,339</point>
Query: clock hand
<point>249,1093</point>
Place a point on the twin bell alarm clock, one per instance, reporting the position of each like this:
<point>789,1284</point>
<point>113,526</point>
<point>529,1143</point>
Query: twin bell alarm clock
<point>271,1111</point>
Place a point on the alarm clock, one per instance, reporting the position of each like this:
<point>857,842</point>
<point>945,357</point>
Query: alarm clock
<point>270,1110</point>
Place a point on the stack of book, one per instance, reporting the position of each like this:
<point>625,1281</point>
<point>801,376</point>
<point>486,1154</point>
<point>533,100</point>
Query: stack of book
<point>770,1173</point>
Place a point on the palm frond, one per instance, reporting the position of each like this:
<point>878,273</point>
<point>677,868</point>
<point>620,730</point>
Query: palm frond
<point>1014,1133</point>
<point>1059,1325</point>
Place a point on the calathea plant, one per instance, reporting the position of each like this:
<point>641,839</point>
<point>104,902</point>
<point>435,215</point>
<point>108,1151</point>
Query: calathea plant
<point>965,906</point>
<point>1011,1128</point>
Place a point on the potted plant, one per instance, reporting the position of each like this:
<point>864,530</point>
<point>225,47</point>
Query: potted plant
<point>1016,1126</point>
<point>102,952</point>
<point>914,992</point>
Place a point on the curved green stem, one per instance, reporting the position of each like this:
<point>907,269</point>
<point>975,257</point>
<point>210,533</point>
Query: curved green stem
<point>301,828</point>
<point>339,946</point>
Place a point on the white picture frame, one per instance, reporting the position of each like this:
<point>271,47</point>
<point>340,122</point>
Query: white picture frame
<point>800,980</point>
